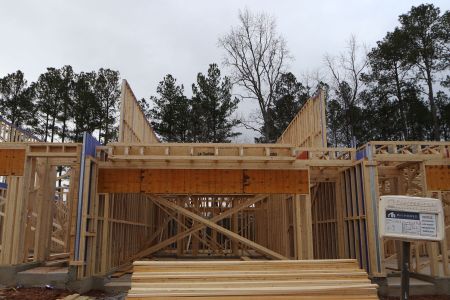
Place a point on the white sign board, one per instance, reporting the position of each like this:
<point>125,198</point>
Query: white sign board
<point>411,218</point>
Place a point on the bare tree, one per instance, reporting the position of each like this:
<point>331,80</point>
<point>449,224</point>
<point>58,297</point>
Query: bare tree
<point>345,82</point>
<point>348,67</point>
<point>257,56</point>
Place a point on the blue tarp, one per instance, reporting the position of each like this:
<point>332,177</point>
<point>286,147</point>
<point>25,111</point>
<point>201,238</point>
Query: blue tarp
<point>89,144</point>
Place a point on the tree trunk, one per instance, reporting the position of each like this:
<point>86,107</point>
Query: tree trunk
<point>436,131</point>
<point>46,127</point>
<point>106,139</point>
<point>53,129</point>
<point>402,104</point>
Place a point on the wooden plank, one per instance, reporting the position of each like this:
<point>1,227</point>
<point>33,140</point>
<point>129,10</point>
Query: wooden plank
<point>298,228</point>
<point>250,279</point>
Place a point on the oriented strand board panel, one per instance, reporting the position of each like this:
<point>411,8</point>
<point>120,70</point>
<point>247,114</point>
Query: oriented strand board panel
<point>192,181</point>
<point>199,181</point>
<point>12,162</point>
<point>276,182</point>
<point>134,126</point>
<point>438,178</point>
<point>309,127</point>
<point>119,181</point>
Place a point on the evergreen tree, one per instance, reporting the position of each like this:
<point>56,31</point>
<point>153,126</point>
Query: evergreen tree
<point>66,100</point>
<point>86,108</point>
<point>392,93</point>
<point>170,116</point>
<point>107,92</point>
<point>387,81</point>
<point>290,95</point>
<point>145,105</point>
<point>443,104</point>
<point>334,116</point>
<point>16,99</point>
<point>426,48</point>
<point>49,102</point>
<point>212,108</point>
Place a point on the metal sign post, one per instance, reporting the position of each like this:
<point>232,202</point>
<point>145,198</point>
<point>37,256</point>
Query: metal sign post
<point>406,246</point>
<point>409,219</point>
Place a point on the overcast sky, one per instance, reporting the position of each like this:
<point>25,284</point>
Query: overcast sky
<point>146,39</point>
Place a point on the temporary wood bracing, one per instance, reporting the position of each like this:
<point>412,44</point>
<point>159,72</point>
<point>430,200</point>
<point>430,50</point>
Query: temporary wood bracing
<point>139,198</point>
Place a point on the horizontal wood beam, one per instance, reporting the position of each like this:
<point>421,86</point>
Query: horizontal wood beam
<point>194,181</point>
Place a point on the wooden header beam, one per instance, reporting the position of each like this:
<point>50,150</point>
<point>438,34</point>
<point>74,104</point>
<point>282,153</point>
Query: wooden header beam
<point>134,126</point>
<point>194,181</point>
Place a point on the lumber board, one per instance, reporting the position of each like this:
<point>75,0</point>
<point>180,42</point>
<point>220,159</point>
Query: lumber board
<point>301,279</point>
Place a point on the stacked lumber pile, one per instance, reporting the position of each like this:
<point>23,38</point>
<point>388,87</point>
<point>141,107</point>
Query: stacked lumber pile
<point>288,279</point>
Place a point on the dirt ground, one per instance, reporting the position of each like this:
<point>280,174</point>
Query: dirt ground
<point>32,293</point>
<point>419,298</point>
<point>49,294</point>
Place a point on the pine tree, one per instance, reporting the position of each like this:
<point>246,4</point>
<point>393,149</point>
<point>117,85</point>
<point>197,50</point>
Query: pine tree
<point>212,108</point>
<point>66,100</point>
<point>107,92</point>
<point>86,108</point>
<point>16,99</point>
<point>49,102</point>
<point>170,116</point>
<point>427,41</point>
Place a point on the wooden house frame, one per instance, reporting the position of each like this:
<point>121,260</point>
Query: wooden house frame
<point>105,206</point>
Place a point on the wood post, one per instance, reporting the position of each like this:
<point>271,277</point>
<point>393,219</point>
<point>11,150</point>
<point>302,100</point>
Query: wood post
<point>46,175</point>
<point>371,194</point>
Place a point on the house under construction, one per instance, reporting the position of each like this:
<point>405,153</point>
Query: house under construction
<point>286,220</point>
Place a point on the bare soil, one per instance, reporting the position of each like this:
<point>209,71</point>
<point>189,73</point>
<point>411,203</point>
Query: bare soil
<point>419,298</point>
<point>32,293</point>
